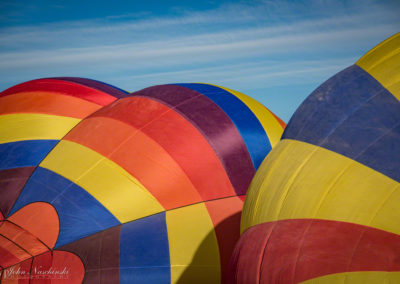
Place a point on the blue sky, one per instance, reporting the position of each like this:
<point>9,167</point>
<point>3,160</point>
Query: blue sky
<point>274,51</point>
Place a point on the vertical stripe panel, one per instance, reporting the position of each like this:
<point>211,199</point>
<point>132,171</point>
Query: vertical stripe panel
<point>144,256</point>
<point>246,122</point>
<point>193,245</point>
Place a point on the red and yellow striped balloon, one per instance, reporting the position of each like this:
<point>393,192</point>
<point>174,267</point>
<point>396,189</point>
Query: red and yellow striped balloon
<point>145,187</point>
<point>324,205</point>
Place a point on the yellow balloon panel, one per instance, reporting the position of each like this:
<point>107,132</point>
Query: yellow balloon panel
<point>382,63</point>
<point>270,123</point>
<point>365,277</point>
<point>29,126</point>
<point>193,245</point>
<point>321,184</point>
<point>123,195</point>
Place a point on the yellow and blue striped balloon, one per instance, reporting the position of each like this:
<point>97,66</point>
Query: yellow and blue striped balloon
<point>324,205</point>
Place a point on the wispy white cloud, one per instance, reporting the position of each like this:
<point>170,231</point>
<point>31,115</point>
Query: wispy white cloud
<point>228,18</point>
<point>262,44</point>
<point>242,75</point>
<point>193,49</point>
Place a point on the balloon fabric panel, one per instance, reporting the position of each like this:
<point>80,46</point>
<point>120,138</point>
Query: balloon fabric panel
<point>12,182</point>
<point>101,177</point>
<point>118,171</point>
<point>358,189</point>
<point>352,100</point>
<point>245,121</point>
<point>382,63</point>
<point>214,124</point>
<point>80,213</point>
<point>24,153</point>
<point>94,84</point>
<point>323,206</point>
<point>46,102</point>
<point>302,253</point>
<point>273,125</point>
<point>178,137</point>
<point>135,152</point>
<point>61,87</point>
<point>144,256</point>
<point>18,127</point>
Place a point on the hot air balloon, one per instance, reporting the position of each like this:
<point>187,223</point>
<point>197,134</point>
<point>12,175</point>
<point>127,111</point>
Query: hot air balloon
<point>102,186</point>
<point>324,205</point>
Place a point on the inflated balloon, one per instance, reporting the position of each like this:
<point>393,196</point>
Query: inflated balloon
<point>106,187</point>
<point>324,205</point>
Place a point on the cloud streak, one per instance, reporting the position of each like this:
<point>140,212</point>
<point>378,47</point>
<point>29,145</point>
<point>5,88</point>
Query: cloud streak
<point>243,46</point>
<point>190,50</point>
<point>228,19</point>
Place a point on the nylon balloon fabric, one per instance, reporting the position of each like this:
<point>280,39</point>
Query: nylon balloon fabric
<point>102,186</point>
<point>323,206</point>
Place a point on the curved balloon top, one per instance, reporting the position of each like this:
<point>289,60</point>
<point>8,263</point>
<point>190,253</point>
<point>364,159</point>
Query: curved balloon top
<point>323,205</point>
<point>126,188</point>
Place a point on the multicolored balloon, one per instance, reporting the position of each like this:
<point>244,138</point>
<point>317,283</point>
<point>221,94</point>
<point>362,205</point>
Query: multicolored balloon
<point>106,187</point>
<point>324,205</point>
